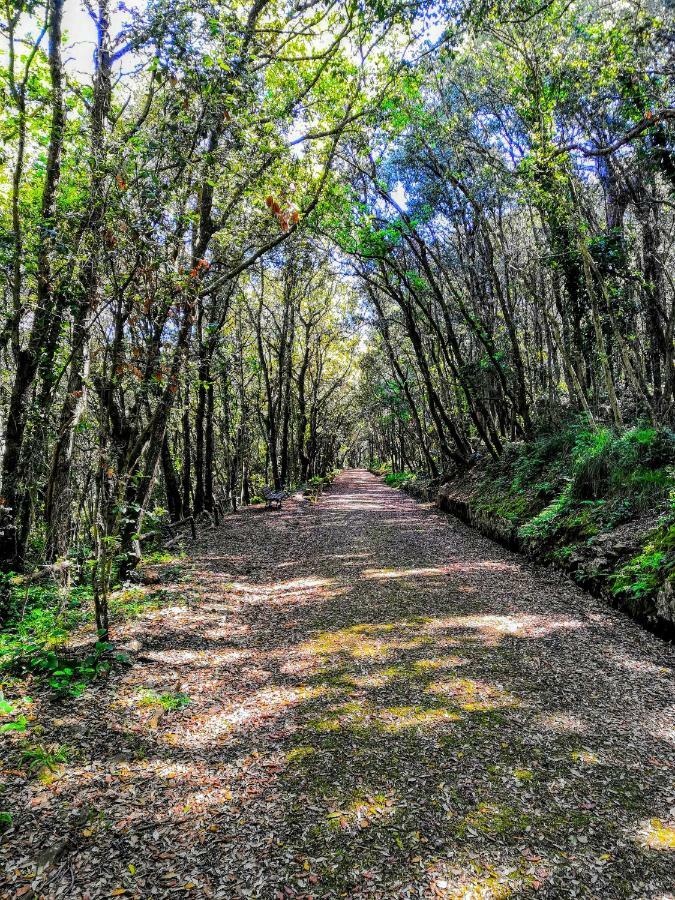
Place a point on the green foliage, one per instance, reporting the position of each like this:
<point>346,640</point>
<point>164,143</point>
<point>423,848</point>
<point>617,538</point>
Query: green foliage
<point>31,643</point>
<point>545,522</point>
<point>565,487</point>
<point>159,557</point>
<point>609,463</point>
<point>131,602</point>
<point>381,468</point>
<point>38,757</point>
<point>66,676</point>
<point>43,611</point>
<point>643,575</point>
<point>398,479</point>
<point>578,469</point>
<point>34,644</point>
<point>7,709</point>
<point>317,483</point>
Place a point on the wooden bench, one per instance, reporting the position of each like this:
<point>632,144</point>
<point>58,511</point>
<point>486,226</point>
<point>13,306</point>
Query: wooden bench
<point>271,496</point>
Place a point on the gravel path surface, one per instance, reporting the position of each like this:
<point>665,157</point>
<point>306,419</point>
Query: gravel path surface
<point>382,703</point>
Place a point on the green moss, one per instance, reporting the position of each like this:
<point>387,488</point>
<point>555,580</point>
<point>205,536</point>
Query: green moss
<point>300,754</point>
<point>327,723</point>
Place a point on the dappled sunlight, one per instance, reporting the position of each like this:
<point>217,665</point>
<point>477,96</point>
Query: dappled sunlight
<point>655,834</point>
<point>403,573</point>
<point>375,680</point>
<point>495,885</point>
<point>177,613</point>
<point>561,722</point>
<point>528,626</point>
<point>205,799</point>
<point>362,810</point>
<point>472,696</point>
<point>350,642</point>
<point>296,586</point>
<point>361,715</point>
<point>263,705</point>
<point>365,725</point>
<point>585,757</point>
<point>439,662</point>
<point>625,660</point>
<point>661,726</point>
<point>486,565</point>
<point>376,641</point>
<point>411,643</point>
<point>226,632</point>
<point>202,659</point>
<point>353,505</point>
<point>399,718</point>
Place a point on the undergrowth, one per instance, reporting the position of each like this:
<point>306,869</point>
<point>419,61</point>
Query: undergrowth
<point>560,493</point>
<point>398,479</point>
<point>40,620</point>
<point>568,487</point>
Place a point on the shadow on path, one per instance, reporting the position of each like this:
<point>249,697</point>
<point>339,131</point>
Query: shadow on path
<point>382,704</point>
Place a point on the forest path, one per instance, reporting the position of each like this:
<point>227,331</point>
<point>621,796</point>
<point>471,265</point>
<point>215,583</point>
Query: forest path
<point>382,704</point>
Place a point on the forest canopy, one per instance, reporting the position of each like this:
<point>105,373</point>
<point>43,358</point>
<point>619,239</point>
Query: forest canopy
<point>254,241</point>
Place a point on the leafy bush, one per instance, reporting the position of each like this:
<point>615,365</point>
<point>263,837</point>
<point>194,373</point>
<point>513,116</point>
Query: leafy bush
<point>19,723</point>
<point>66,676</point>
<point>47,618</point>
